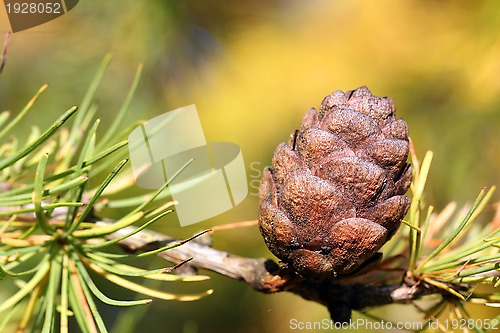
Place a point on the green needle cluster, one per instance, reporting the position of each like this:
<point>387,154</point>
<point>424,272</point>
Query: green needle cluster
<point>50,246</point>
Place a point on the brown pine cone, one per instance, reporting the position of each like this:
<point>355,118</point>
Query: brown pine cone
<point>335,192</point>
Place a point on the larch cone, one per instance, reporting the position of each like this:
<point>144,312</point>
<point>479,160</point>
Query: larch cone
<point>335,193</point>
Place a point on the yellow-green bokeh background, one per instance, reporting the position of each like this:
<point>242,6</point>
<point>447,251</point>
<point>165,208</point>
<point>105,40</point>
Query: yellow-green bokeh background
<point>253,69</point>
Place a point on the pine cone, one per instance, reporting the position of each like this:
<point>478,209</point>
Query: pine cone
<point>335,192</point>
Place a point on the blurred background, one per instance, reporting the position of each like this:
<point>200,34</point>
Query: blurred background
<point>253,69</point>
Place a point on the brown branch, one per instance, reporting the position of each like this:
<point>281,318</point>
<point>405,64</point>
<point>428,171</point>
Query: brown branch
<point>266,276</point>
<point>3,58</point>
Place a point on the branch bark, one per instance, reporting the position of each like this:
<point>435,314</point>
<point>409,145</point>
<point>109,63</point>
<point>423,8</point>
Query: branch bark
<point>3,57</point>
<point>265,275</point>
